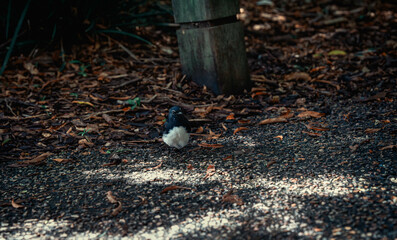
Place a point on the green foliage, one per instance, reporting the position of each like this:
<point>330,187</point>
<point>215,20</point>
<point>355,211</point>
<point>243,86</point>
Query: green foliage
<point>136,102</point>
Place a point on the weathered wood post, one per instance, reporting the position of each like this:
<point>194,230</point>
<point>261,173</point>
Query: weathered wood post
<point>211,44</point>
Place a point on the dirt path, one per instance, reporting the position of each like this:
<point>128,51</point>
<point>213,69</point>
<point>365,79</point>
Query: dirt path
<point>259,185</point>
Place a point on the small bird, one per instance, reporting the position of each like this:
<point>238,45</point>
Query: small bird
<point>177,129</point>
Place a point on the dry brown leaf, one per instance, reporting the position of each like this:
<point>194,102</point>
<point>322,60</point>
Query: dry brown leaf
<point>313,134</point>
<point>117,210</point>
<point>244,121</point>
<point>172,188</point>
<point>310,126</point>
<point>258,89</point>
<point>85,143</point>
<point>111,198</point>
<point>298,76</point>
<point>189,167</point>
<point>287,114</point>
<point>310,114</point>
<point>229,198</point>
<point>240,129</point>
<point>206,145</point>
<point>35,161</point>
<point>155,167</point>
<point>273,120</point>
<point>210,171</point>
<point>223,126</point>
<point>16,205</point>
<point>107,118</point>
<point>279,137</point>
<point>62,160</point>
<point>31,68</point>
<point>269,164</point>
<point>372,130</point>
<point>317,68</point>
<point>228,157</point>
<point>200,130</point>
<point>259,94</point>
<point>230,117</point>
<point>388,147</point>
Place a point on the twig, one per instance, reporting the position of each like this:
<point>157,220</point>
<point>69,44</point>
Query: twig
<point>17,118</point>
<point>128,51</point>
<point>126,83</point>
<point>100,113</point>
<point>258,78</point>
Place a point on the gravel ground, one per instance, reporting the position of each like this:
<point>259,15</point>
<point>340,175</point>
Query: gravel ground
<point>339,185</point>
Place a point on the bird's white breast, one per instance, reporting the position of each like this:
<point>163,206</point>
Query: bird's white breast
<point>177,137</point>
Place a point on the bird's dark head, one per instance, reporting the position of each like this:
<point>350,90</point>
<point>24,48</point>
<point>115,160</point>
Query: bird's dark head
<point>175,110</point>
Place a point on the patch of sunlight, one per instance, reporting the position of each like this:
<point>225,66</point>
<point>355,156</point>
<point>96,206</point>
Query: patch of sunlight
<point>209,221</point>
<point>242,140</point>
<point>321,185</point>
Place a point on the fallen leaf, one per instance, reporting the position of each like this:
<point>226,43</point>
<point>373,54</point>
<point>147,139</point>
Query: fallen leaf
<point>259,94</point>
<point>117,210</point>
<point>85,143</point>
<point>337,52</point>
<point>172,188</point>
<point>223,126</point>
<point>258,89</point>
<point>189,167</point>
<point>206,145</point>
<point>273,120</point>
<point>156,167</point>
<point>240,129</point>
<point>310,114</point>
<point>82,102</point>
<point>300,101</point>
<point>229,198</point>
<point>279,137</point>
<point>270,163</point>
<point>200,130</point>
<point>317,69</point>
<point>31,68</point>
<point>35,161</point>
<point>228,157</point>
<point>210,171</point>
<point>16,205</point>
<point>107,118</point>
<point>298,76</point>
<point>111,198</point>
<point>244,121</point>
<point>230,117</point>
<point>388,147</point>
<point>372,130</point>
<point>62,160</point>
<point>310,126</point>
<point>313,134</point>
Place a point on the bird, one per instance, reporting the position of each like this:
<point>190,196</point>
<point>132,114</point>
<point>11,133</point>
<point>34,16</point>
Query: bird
<point>176,129</point>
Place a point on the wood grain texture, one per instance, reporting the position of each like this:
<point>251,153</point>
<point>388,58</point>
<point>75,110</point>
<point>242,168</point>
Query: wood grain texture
<point>215,57</point>
<point>203,10</point>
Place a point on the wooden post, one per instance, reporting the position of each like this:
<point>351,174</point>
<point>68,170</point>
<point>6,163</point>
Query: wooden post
<point>211,44</point>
